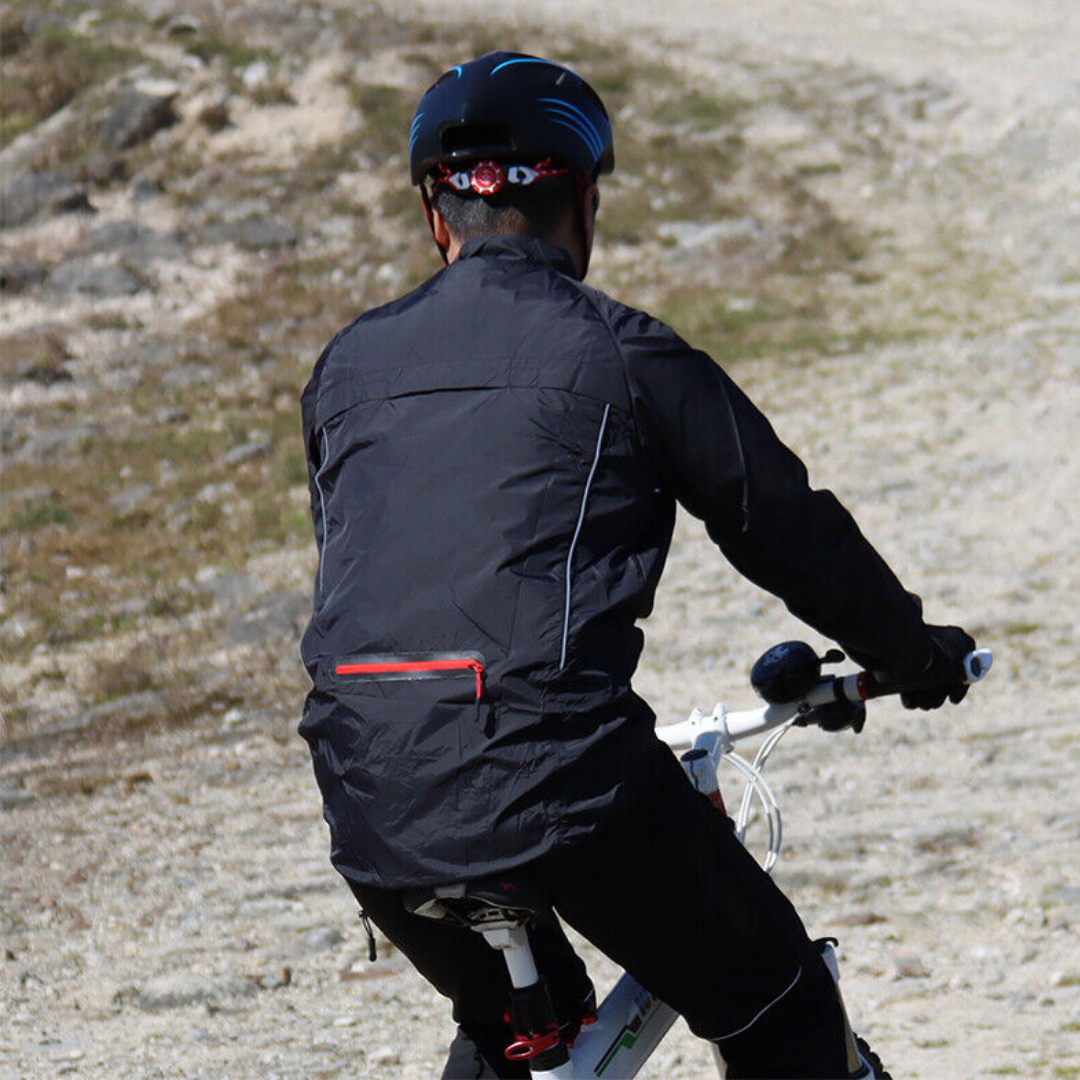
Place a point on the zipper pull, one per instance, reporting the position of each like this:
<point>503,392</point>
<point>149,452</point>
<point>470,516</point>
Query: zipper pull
<point>371,954</point>
<point>478,671</point>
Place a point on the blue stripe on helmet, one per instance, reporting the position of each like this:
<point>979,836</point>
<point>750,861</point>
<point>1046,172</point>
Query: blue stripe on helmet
<point>414,131</point>
<point>584,129</point>
<point>458,70</point>
<point>576,130</point>
<point>521,60</point>
<point>587,121</point>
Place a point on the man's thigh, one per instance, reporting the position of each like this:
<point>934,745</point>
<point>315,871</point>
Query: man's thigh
<point>669,893</point>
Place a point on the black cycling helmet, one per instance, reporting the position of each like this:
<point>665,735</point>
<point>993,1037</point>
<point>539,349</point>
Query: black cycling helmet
<point>511,106</point>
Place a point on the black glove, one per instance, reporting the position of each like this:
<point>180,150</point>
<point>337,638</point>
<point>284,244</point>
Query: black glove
<point>944,677</point>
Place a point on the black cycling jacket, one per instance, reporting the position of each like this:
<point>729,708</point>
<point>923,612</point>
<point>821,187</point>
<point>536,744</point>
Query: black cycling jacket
<point>495,460</point>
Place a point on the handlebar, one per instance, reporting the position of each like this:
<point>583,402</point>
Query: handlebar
<point>861,686</point>
<point>866,685</point>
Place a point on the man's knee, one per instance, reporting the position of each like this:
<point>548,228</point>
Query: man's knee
<point>803,1033</point>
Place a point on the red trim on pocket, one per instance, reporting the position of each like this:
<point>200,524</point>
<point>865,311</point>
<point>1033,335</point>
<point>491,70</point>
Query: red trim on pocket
<point>388,667</point>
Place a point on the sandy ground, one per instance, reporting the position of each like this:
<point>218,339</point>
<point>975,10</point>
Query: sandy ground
<point>186,923</point>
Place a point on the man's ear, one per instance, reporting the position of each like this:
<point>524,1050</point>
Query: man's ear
<point>440,231</point>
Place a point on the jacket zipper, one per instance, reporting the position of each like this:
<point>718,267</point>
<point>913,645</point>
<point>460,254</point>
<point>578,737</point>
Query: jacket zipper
<point>389,667</point>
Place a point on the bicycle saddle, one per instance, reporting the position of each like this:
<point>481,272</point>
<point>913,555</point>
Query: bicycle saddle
<point>484,904</point>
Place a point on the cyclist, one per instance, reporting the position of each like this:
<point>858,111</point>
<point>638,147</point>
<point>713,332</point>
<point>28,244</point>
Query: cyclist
<point>495,460</point>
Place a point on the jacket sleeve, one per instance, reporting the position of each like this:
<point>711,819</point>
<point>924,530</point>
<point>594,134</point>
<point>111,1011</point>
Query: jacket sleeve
<point>721,459</point>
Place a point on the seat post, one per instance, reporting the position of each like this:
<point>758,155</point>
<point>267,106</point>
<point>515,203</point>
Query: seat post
<point>513,943</point>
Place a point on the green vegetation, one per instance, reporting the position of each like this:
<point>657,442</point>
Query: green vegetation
<point>48,68</point>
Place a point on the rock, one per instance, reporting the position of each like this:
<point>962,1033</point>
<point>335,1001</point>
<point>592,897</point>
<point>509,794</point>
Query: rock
<point>182,24</point>
<point>17,628</point>
<point>13,797</point>
<point>32,193</point>
<point>45,443</point>
<point>280,616</point>
<point>252,234</point>
<point>177,989</point>
<point>384,1057</point>
<point>909,967</point>
<point>138,243</point>
<point>88,278</point>
<point>19,275</point>
<point>259,446</point>
<point>129,500</point>
<point>156,11</point>
<point>105,168</point>
<point>319,939</point>
<point>1062,894</point>
<point>142,706</point>
<point>255,74</point>
<point>214,116</point>
<point>36,493</point>
<point>185,375</point>
<point>726,236</point>
<point>211,493</point>
<point>144,188</point>
<point>138,113</point>
<point>225,587</point>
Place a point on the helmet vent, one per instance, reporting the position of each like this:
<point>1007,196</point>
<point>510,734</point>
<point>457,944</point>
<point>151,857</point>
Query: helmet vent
<point>467,138</point>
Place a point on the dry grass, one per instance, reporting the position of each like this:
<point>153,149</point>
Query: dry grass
<point>82,570</point>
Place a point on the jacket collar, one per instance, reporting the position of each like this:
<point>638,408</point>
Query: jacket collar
<point>519,249</point>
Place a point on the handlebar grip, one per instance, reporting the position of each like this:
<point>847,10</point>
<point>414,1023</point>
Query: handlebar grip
<point>868,684</point>
<point>977,664</point>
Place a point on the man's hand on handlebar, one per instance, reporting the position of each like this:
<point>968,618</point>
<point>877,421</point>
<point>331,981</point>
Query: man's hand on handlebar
<point>944,675</point>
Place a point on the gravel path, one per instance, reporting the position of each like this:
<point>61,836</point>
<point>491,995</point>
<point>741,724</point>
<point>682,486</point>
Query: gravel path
<point>183,921</point>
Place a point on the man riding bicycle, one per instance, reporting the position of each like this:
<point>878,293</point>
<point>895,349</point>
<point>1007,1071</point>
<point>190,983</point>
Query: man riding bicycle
<point>495,460</point>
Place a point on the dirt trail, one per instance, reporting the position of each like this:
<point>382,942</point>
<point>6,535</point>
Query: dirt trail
<point>188,924</point>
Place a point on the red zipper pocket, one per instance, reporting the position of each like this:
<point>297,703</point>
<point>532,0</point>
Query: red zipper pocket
<point>416,666</point>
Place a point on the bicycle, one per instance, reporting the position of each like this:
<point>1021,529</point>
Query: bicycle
<point>616,1039</point>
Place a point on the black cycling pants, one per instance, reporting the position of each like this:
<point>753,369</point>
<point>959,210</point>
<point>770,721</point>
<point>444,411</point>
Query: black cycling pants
<point>668,892</point>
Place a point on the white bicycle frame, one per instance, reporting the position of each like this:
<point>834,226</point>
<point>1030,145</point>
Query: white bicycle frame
<point>631,1021</point>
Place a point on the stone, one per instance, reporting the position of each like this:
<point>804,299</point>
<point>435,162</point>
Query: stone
<point>320,939</point>
<point>130,499</point>
<point>33,193</point>
<point>225,587</point>
<point>255,74</point>
<point>137,113</point>
<point>141,706</point>
<point>13,797</point>
<point>253,448</point>
<point>87,278</point>
<point>182,24</point>
<point>138,243</point>
<point>143,189</point>
<point>185,375</point>
<point>177,989</point>
<point>19,275</point>
<point>17,628</point>
<point>45,443</point>
<point>910,967</point>
<point>105,168</point>
<point>280,616</point>
<point>252,234</point>
<point>725,236</point>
